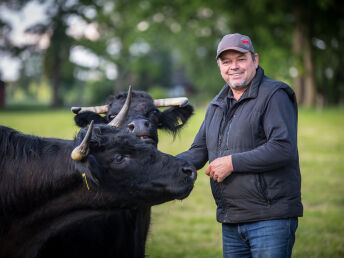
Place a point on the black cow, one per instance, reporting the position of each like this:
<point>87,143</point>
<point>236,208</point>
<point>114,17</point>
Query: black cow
<point>143,119</point>
<point>47,198</point>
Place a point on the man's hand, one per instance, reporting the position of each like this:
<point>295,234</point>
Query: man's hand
<point>220,168</point>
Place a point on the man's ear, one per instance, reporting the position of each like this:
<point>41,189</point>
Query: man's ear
<point>256,60</point>
<point>84,118</point>
<point>175,118</point>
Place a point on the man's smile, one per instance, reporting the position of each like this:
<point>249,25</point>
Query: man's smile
<point>236,75</point>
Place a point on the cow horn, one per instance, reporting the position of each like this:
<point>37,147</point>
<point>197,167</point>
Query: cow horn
<point>82,150</point>
<point>97,109</point>
<point>181,102</point>
<point>119,119</point>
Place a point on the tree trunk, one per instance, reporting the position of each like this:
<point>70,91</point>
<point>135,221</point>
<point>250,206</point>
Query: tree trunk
<point>297,49</point>
<point>56,101</point>
<point>123,80</point>
<point>305,84</point>
<point>310,84</point>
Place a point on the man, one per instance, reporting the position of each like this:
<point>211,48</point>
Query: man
<point>249,136</point>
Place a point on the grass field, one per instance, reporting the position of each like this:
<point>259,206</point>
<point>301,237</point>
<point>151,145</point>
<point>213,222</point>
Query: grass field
<point>188,228</point>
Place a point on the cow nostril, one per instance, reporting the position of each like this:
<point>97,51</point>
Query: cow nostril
<point>187,170</point>
<point>131,126</point>
<point>190,171</point>
<point>146,124</point>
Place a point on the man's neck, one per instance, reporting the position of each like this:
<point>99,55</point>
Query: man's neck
<point>237,93</point>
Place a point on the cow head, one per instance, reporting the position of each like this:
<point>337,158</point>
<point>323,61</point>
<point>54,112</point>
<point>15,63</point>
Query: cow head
<point>115,161</point>
<point>144,118</point>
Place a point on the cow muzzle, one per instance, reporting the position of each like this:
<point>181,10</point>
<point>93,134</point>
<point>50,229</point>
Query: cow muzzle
<point>142,128</point>
<point>191,172</point>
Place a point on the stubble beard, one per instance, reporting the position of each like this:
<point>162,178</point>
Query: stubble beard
<point>238,86</point>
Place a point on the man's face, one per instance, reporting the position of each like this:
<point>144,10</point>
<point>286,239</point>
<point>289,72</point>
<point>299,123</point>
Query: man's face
<point>237,69</point>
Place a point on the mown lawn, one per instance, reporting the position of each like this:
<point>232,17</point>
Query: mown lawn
<point>188,228</point>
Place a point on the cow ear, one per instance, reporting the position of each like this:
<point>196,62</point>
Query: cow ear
<point>89,169</point>
<point>84,118</point>
<point>174,118</point>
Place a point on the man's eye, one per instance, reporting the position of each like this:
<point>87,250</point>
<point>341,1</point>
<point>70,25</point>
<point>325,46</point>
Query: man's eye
<point>118,158</point>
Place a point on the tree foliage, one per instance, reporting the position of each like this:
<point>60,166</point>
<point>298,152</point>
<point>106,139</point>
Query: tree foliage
<point>149,43</point>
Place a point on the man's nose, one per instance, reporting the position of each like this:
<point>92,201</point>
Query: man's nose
<point>234,65</point>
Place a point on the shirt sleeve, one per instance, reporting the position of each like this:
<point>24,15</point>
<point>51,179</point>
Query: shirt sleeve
<point>280,128</point>
<point>198,152</point>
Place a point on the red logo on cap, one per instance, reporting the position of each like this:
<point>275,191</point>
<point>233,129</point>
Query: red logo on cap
<point>245,41</point>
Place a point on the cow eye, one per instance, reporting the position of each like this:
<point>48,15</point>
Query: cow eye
<point>118,158</point>
<point>153,114</point>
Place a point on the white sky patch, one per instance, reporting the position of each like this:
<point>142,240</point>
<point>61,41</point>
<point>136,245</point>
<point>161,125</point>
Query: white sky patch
<point>158,17</point>
<point>111,71</point>
<point>175,27</point>
<point>78,28</point>
<point>91,75</point>
<point>139,48</point>
<point>84,57</point>
<point>108,7</point>
<point>114,47</point>
<point>143,26</point>
<point>90,12</point>
<point>293,72</point>
<point>91,31</point>
<point>329,72</point>
<point>9,68</point>
<point>319,43</point>
<point>31,14</point>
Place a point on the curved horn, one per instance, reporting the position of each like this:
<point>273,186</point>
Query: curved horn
<point>119,119</point>
<point>82,150</point>
<point>97,109</point>
<point>181,102</point>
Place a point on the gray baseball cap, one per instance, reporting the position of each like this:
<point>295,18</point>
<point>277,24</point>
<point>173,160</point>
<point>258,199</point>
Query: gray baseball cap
<point>235,42</point>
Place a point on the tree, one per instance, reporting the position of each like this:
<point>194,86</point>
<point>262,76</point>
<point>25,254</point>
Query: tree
<point>56,64</point>
<point>297,36</point>
<point>147,41</point>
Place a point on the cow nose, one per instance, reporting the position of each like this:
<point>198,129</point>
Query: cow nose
<point>190,171</point>
<point>138,125</point>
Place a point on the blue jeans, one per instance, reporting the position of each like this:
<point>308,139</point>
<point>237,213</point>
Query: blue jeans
<point>271,238</point>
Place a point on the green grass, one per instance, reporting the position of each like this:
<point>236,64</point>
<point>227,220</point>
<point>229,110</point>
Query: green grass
<point>188,228</point>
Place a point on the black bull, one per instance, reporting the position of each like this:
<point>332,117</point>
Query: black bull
<point>143,119</point>
<point>47,199</point>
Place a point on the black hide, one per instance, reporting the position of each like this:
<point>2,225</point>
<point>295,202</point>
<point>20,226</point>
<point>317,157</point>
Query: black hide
<point>46,207</point>
<point>143,120</point>
<point>141,108</point>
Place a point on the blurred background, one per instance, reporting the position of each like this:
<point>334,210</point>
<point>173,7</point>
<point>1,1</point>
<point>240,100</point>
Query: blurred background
<point>60,53</point>
<point>68,52</point>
